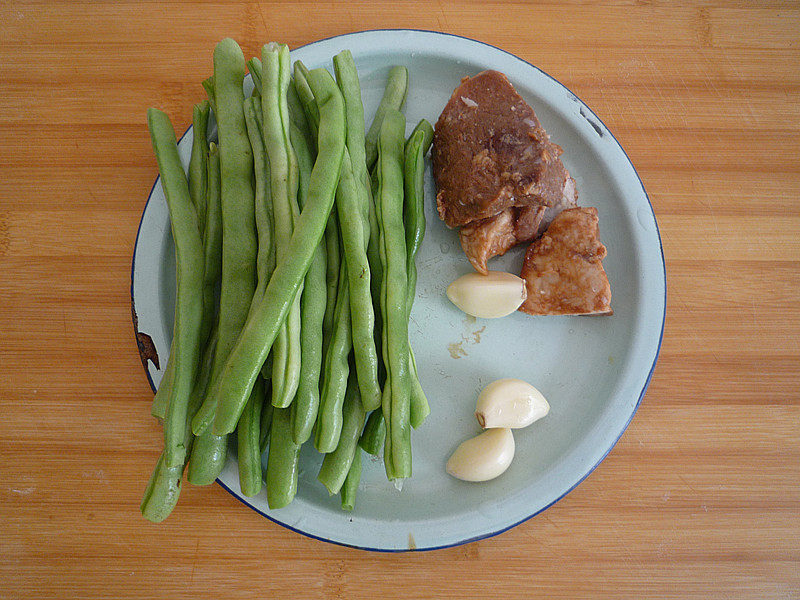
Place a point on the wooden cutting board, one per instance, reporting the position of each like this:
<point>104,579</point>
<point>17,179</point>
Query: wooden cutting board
<point>700,498</point>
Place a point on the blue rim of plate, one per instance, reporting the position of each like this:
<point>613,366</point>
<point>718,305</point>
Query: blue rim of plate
<point>641,395</point>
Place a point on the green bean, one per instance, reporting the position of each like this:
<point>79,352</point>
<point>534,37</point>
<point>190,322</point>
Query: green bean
<point>396,358</point>
<point>355,239</point>
<point>266,418</point>
<point>162,491</point>
<point>347,76</point>
<point>297,117</point>
<point>282,462</point>
<point>335,372</point>
<point>386,407</point>
<point>414,217</point>
<point>212,241</point>
<point>164,487</point>
<point>286,360</point>
<point>350,487</point>
<point>265,260</point>
<point>204,371</point>
<point>306,95</point>
<point>414,205</point>
<point>374,433</point>
<point>306,401</point>
<point>189,267</point>
<point>205,469</point>
<point>332,265</point>
<point>394,96</point>
<point>207,458</point>
<point>208,86</point>
<point>258,334</point>
<point>249,428</point>
<point>255,68</point>
<point>332,243</point>
<point>386,396</point>
<point>353,201</point>
<point>198,164</point>
<point>239,244</point>
<point>161,399</point>
<point>374,256</point>
<point>427,135</point>
<point>337,463</point>
<point>420,409</point>
<point>265,257</point>
<point>248,432</point>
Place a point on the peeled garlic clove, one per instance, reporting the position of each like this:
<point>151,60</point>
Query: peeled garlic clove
<point>490,296</point>
<point>483,457</point>
<point>510,403</point>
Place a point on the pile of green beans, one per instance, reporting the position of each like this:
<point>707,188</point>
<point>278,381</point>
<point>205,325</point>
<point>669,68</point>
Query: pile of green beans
<point>296,233</point>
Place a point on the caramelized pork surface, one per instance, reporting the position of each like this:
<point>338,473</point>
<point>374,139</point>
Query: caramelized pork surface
<point>490,153</point>
<point>563,269</point>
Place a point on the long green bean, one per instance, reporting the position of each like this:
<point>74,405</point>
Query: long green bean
<point>282,462</point>
<point>255,68</point>
<point>394,96</point>
<point>306,401</point>
<point>335,371</point>
<point>353,202</point>
<point>249,428</point>
<point>248,433</point>
<point>162,491</point>
<point>239,238</point>
<point>355,237</point>
<point>207,458</point>
<point>332,268</point>
<point>386,396</point>
<point>198,163</point>
<point>286,360</point>
<point>258,334</point>
<point>189,267</point>
<point>306,95</point>
<point>239,247</point>
<point>336,464</point>
<point>161,398</point>
<point>208,86</point>
<point>414,217</point>
<point>212,241</point>
<point>204,470</point>
<point>427,135</point>
<point>396,359</point>
<point>265,257</point>
<point>266,419</point>
<point>164,486</point>
<point>374,433</point>
<point>350,487</point>
<point>297,116</point>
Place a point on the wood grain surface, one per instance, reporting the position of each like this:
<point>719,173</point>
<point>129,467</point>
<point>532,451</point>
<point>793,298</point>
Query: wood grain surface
<point>700,498</point>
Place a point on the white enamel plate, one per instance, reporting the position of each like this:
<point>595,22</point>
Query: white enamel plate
<point>593,370</point>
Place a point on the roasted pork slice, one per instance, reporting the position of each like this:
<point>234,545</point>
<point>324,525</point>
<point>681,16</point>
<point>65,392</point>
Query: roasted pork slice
<point>563,269</point>
<point>490,153</point>
<point>487,238</point>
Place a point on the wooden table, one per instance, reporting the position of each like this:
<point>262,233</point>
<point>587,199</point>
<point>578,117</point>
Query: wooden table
<point>700,498</point>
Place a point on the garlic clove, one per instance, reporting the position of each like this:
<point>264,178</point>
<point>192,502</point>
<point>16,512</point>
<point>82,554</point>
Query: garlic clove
<point>510,403</point>
<point>483,457</point>
<point>490,296</point>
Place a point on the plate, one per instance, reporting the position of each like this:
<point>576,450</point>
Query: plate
<point>593,370</point>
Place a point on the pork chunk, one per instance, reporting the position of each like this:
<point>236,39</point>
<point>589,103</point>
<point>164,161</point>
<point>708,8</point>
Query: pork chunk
<point>490,153</point>
<point>563,269</point>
